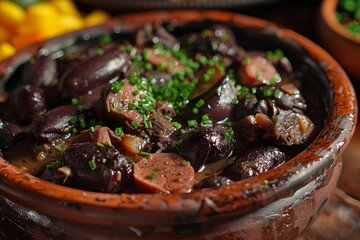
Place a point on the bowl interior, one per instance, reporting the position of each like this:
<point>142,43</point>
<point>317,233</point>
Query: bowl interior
<point>330,82</point>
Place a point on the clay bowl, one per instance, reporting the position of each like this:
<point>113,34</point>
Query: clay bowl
<point>341,43</point>
<point>297,190</point>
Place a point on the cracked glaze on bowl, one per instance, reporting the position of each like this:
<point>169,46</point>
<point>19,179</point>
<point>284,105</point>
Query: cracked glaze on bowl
<point>246,209</point>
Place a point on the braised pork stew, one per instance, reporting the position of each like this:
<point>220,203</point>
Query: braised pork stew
<point>161,109</point>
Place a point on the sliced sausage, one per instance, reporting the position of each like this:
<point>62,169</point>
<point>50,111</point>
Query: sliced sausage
<point>256,71</point>
<point>164,172</point>
<point>114,107</point>
<point>167,61</point>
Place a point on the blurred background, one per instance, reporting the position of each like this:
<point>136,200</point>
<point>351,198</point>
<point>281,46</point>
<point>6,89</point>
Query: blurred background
<point>24,22</point>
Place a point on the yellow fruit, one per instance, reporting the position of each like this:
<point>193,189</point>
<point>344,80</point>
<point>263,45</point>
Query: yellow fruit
<point>71,23</point>
<point>4,34</point>
<point>6,50</point>
<point>66,7</point>
<point>11,14</point>
<point>96,17</point>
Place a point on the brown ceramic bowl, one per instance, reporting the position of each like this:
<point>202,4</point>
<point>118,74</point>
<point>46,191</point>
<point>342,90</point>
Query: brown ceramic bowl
<point>34,209</point>
<point>341,43</point>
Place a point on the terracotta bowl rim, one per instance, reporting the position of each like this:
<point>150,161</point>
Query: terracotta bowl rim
<point>236,199</point>
<point>327,12</point>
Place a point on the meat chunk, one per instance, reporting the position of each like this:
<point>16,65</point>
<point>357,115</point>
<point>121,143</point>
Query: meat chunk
<point>114,107</point>
<point>253,162</point>
<point>98,168</point>
<point>164,172</point>
<point>292,128</point>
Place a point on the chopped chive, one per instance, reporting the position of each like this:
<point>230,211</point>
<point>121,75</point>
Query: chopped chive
<point>276,78</point>
<point>58,148</point>
<point>148,124</point>
<point>92,165</point>
<point>185,163</point>
<point>267,92</point>
<point>152,175</point>
<point>253,90</point>
<point>195,110</point>
<point>266,182</point>
<point>73,120</point>
<point>177,125</point>
<point>92,129</point>
<point>146,154</point>
<point>160,67</point>
<point>191,123</point>
<point>80,108</point>
<point>205,119</point>
<point>114,104</point>
<point>224,37</point>
<point>74,130</point>
<point>74,101</point>
<point>200,103</point>
<point>234,101</point>
<point>135,124</point>
<point>131,106</point>
<point>147,54</point>
<point>117,86</point>
<point>105,39</point>
<point>247,60</point>
<point>229,134</point>
<point>82,123</point>
<point>148,66</point>
<point>100,144</point>
<point>168,117</point>
<point>99,51</point>
<point>32,61</point>
<point>278,93</point>
<point>119,131</point>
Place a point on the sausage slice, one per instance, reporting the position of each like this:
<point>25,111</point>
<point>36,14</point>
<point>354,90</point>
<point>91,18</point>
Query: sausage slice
<point>165,173</point>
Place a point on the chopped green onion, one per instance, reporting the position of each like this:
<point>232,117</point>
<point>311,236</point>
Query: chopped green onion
<point>73,120</point>
<point>185,163</point>
<point>177,125</point>
<point>200,103</point>
<point>131,106</point>
<point>253,90</point>
<point>247,60</point>
<point>195,110</point>
<point>146,154</point>
<point>168,117</point>
<point>105,39</point>
<point>99,51</point>
<point>74,101</point>
<point>92,129</point>
<point>148,124</point>
<point>92,165</point>
<point>266,182</point>
<point>191,123</point>
<point>119,131</point>
<point>205,119</point>
<point>74,130</point>
<point>267,92</point>
<point>229,134</point>
<point>234,101</point>
<point>135,124</point>
<point>147,54</point>
<point>278,93</point>
<point>224,37</point>
<point>58,148</point>
<point>152,175</point>
<point>82,123</point>
<point>117,86</point>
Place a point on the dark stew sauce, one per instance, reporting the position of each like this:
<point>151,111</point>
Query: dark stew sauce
<point>162,109</point>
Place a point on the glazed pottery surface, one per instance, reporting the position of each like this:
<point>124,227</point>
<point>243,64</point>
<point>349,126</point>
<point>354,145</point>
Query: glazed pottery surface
<point>34,209</point>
